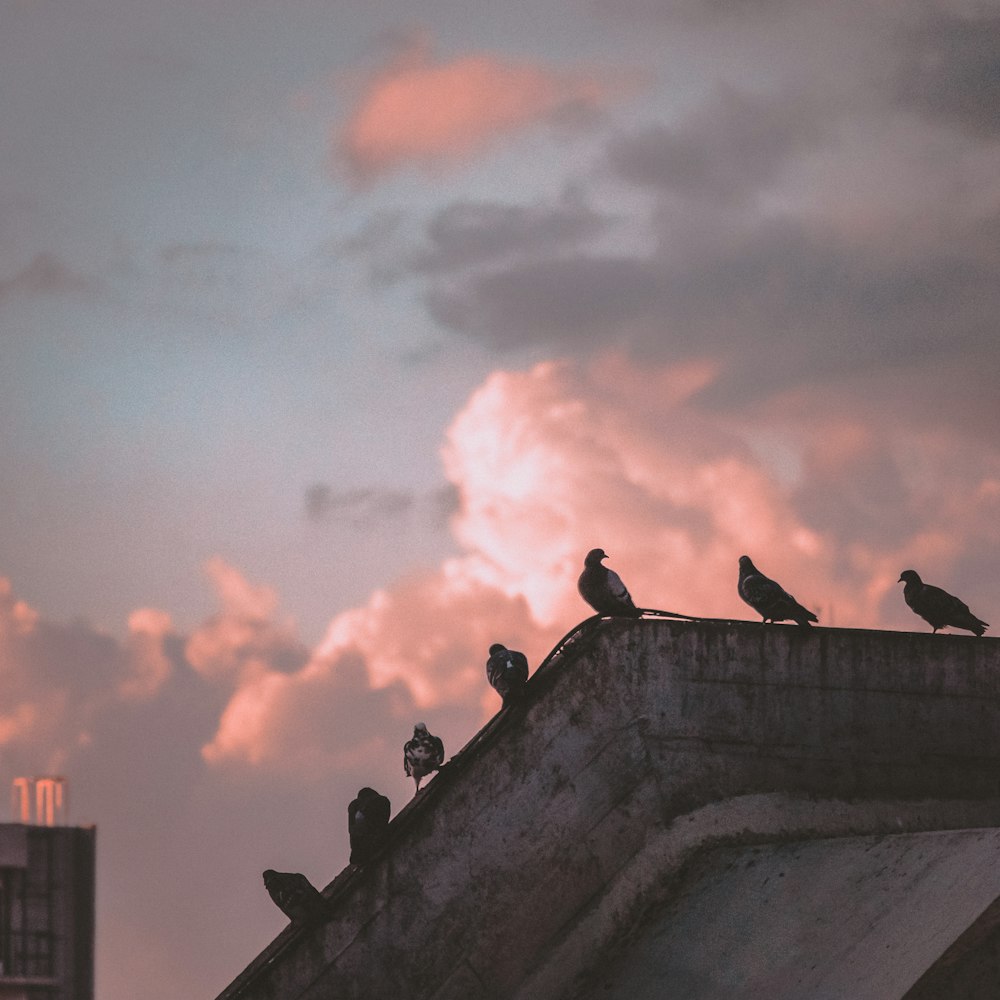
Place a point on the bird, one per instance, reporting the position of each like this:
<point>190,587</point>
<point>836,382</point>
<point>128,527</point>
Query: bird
<point>603,590</point>
<point>936,606</point>
<point>295,896</point>
<point>423,754</point>
<point>507,672</point>
<point>367,822</point>
<point>767,597</point>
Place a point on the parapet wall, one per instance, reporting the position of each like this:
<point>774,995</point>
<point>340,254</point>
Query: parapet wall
<point>545,839</point>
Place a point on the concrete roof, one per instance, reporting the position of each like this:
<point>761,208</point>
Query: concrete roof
<point>852,917</point>
<point>567,824</point>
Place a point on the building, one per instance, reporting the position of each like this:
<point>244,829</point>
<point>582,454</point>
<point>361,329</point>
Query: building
<point>694,810</point>
<point>46,898</point>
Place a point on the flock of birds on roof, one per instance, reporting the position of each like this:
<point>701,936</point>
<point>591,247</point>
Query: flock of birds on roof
<point>507,673</point>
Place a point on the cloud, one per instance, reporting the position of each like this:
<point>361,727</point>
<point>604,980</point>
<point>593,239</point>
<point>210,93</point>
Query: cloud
<point>243,638</point>
<point>549,462</point>
<point>466,234</point>
<point>417,110</point>
<point>150,664</point>
<point>951,71</point>
<point>732,149</point>
<point>321,720</point>
<point>780,301</point>
<point>794,225</point>
<point>57,680</point>
<point>584,298</point>
<point>557,460</point>
<point>362,507</point>
<point>416,648</point>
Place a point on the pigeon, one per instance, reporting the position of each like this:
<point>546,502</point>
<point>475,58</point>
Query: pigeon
<point>367,822</point>
<point>936,606</point>
<point>422,755</point>
<point>767,597</point>
<point>603,590</point>
<point>295,896</point>
<point>507,671</point>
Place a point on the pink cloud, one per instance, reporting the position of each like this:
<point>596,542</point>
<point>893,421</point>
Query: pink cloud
<point>244,637</point>
<point>557,460</point>
<point>150,666</point>
<point>55,679</point>
<point>547,463</point>
<point>417,110</point>
<point>418,646</point>
<point>552,461</point>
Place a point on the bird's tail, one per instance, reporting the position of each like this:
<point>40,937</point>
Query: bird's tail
<point>803,616</point>
<point>977,625</point>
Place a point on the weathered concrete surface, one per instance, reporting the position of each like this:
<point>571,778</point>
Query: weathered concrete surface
<point>815,919</point>
<point>566,824</point>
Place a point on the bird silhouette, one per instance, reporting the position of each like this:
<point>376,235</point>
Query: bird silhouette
<point>768,598</point>
<point>295,896</point>
<point>367,823</point>
<point>603,590</point>
<point>507,672</point>
<point>936,606</point>
<point>422,755</point>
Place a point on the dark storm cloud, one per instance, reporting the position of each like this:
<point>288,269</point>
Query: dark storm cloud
<point>360,507</point>
<point>732,148</point>
<point>464,234</point>
<point>800,233</point>
<point>951,71</point>
<point>579,298</point>
<point>781,301</point>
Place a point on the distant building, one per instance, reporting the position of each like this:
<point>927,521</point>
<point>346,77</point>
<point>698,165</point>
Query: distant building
<point>46,898</point>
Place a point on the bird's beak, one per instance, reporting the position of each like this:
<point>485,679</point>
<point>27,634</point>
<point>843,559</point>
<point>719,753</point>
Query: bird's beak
<point>900,580</point>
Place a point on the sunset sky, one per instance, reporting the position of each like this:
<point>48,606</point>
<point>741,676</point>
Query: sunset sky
<point>333,335</point>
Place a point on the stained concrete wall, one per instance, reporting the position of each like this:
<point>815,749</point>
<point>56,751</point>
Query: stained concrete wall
<point>562,828</point>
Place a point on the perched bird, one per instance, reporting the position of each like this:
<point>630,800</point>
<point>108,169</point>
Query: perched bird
<point>507,671</point>
<point>603,590</point>
<point>936,606</point>
<point>423,754</point>
<point>295,896</point>
<point>367,822</point>
<point>767,597</point>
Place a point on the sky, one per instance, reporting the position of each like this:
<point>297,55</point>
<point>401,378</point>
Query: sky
<point>333,335</point>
